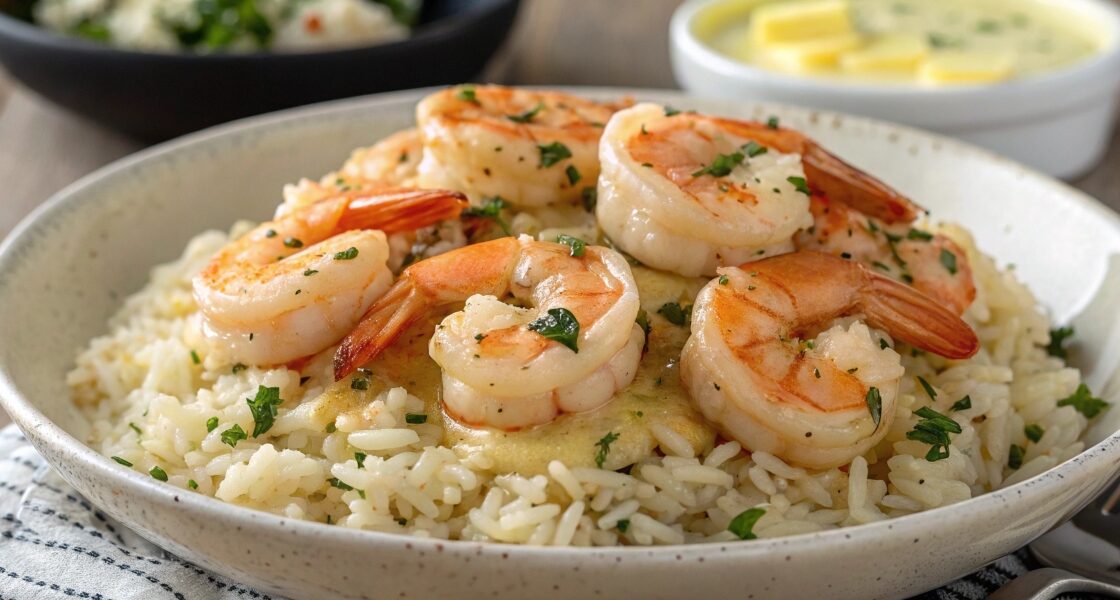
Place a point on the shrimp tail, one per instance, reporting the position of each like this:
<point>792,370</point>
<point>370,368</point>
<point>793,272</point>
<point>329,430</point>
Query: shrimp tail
<point>917,319</point>
<point>402,209</point>
<point>845,183</point>
<point>382,324</point>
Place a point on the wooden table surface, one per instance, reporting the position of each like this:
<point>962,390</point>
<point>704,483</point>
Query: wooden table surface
<point>576,42</point>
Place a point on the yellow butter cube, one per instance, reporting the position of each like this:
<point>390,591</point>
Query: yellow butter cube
<point>803,57</point>
<point>966,67</point>
<point>894,52</point>
<point>801,20</point>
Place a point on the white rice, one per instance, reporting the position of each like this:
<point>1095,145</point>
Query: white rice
<point>149,404</point>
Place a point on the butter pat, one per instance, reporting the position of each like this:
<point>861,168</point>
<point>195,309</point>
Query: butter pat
<point>799,21</point>
<point>888,53</point>
<point>803,57</point>
<point>966,67</point>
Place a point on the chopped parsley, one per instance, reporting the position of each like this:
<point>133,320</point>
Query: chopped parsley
<point>604,445</point>
<point>573,174</point>
<point>590,197</point>
<point>195,359</point>
<point>772,122</point>
<point>1058,337</point>
<point>491,208</point>
<point>415,418</point>
<point>263,408</point>
<point>670,111</point>
<point>233,435</point>
<point>799,183</point>
<point>158,473</point>
<point>722,165</point>
<point>309,272</point>
<point>933,428</point>
<point>271,233</point>
<point>340,484</point>
<point>918,234</point>
<point>1015,457</point>
<point>874,405</point>
<point>360,458</point>
<point>292,242</point>
<point>192,484</point>
<point>753,149</point>
<point>962,404</point>
<point>559,325</point>
<point>575,244</point>
<point>1034,432</point>
<point>331,427</point>
<point>1083,402</point>
<point>121,461</point>
<point>928,388</point>
<point>467,94</point>
<point>527,116</point>
<point>623,525</point>
<point>675,314</point>
<point>133,427</point>
<point>211,424</point>
<point>643,320</point>
<point>723,279</point>
<point>553,153</point>
<point>360,384</point>
<point>743,524</point>
<point>348,254</point>
<point>238,368</point>
<point>949,261</point>
<point>883,345</point>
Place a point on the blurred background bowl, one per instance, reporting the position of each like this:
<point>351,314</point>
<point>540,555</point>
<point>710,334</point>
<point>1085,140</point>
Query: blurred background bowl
<point>155,96</point>
<point>1058,122</point>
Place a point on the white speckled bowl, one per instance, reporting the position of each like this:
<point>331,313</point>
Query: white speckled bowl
<point>67,268</point>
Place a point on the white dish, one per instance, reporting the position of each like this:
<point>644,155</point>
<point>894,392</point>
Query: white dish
<point>66,269</point>
<point>1058,123</point>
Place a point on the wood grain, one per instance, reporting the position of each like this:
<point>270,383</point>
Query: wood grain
<point>573,42</point>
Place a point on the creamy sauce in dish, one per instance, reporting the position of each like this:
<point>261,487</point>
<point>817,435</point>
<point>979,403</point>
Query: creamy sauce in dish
<point>938,43</point>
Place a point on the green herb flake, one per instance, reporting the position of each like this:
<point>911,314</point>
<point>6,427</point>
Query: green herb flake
<point>604,445</point>
<point>772,122</point>
<point>331,427</point>
<point>553,153</point>
<point>753,149</point>
<point>799,183</point>
<point>874,405</point>
<point>415,418</point>
<point>949,261</point>
<point>338,483</point>
<point>962,404</point>
<point>933,428</point>
<point>360,458</point>
<point>928,388</point>
<point>158,474</point>
<point>271,233</point>
<point>133,427</point>
<point>575,244</point>
<point>211,424</point>
<point>675,314</point>
<point>722,165</point>
<point>643,320</point>
<point>239,367</point>
<point>192,484</point>
<point>559,325</point>
<point>263,408</point>
<point>723,280</point>
<point>527,116</point>
<point>1058,337</point>
<point>292,242</point>
<point>195,359</point>
<point>467,94</point>
<point>670,111</point>
<point>359,384</point>
<point>233,435</point>
<point>348,254</point>
<point>1034,432</point>
<point>573,174</point>
<point>883,345</point>
<point>1083,402</point>
<point>309,272</point>
<point>919,235</point>
<point>743,523</point>
<point>491,208</point>
<point>121,461</point>
<point>623,525</point>
<point>1015,457</point>
<point>590,198</point>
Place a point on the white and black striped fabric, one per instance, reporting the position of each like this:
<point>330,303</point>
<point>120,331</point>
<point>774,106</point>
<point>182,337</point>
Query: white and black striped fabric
<point>55,545</point>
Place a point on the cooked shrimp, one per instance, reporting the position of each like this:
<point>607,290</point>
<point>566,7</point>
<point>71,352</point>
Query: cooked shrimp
<point>689,193</point>
<point>932,263</point>
<point>509,367</point>
<point>532,148</point>
<point>753,370</point>
<point>297,284</point>
<point>391,162</point>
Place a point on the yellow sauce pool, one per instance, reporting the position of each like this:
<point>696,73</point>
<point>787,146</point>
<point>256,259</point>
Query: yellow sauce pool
<point>929,42</point>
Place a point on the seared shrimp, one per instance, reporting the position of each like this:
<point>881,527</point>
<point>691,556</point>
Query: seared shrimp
<point>532,148</point>
<point>753,369</point>
<point>689,193</point>
<point>297,284</point>
<point>932,263</point>
<point>572,347</point>
<point>392,161</point>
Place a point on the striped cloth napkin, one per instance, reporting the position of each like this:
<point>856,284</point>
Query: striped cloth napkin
<point>54,544</point>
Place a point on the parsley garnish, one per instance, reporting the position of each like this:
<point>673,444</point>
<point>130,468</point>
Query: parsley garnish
<point>670,111</point>
<point>928,388</point>
<point>309,272</point>
<point>590,197</point>
<point>722,165</point>
<point>604,445</point>
<point>195,359</point>
<point>917,234</point>
<point>292,242</point>
<point>753,149</point>
<point>121,461</point>
<point>723,279</point>
<point>233,435</point>
<point>348,254</point>
<point>133,427</point>
<point>883,345</point>
<point>467,94</point>
<point>238,368</point>
<point>799,183</point>
<point>1015,457</point>
<point>1033,432</point>
<point>415,418</point>
<point>772,122</point>
<point>1083,402</point>
<point>949,261</point>
<point>211,424</point>
<point>573,174</point>
<point>933,428</point>
<point>1058,337</point>
<point>743,524</point>
<point>575,244</point>
<point>491,208</point>
<point>338,483</point>
<point>875,405</point>
<point>675,314</point>
<point>158,473</point>
<point>962,404</point>
<point>271,233</point>
<point>623,525</point>
<point>360,458</point>
<point>553,153</point>
<point>559,325</point>
<point>527,116</point>
<point>643,320</point>
<point>359,384</point>
<point>263,408</point>
<point>192,484</point>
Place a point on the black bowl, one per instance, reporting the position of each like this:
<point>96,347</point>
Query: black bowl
<point>155,96</point>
